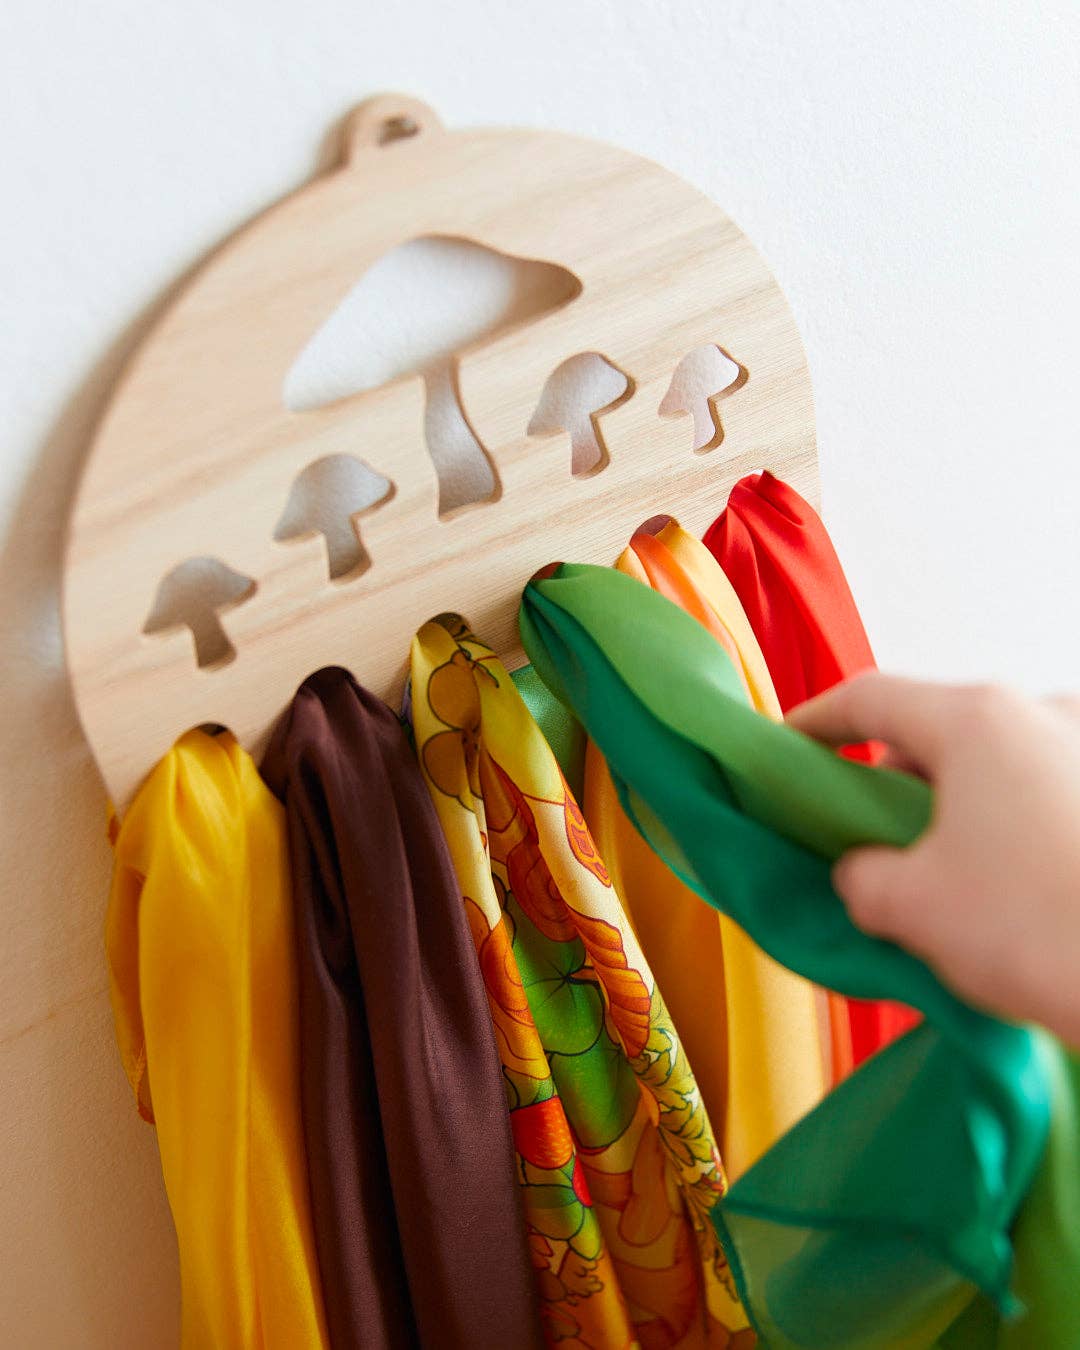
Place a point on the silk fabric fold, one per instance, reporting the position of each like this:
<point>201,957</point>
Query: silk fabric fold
<point>199,938</point>
<point>780,561</point>
<point>782,565</point>
<point>418,1216</point>
<point>616,1159</point>
<point>872,1221</point>
<point>751,1028</point>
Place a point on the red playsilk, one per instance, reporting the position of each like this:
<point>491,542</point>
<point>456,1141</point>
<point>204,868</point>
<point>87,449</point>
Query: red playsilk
<point>781,562</point>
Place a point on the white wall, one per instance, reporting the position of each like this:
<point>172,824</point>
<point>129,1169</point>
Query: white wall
<point>912,173</point>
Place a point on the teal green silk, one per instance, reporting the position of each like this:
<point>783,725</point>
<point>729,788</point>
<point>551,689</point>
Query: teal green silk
<point>874,1221</point>
<point>562,731</point>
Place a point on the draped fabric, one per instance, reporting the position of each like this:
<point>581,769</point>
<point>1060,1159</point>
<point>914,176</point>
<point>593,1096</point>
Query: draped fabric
<point>202,977</point>
<point>782,565</point>
<point>616,1158</point>
<point>873,1220</point>
<point>418,1216</point>
<point>1046,1235</point>
<point>781,562</point>
<point>681,558</point>
<point>750,1027</point>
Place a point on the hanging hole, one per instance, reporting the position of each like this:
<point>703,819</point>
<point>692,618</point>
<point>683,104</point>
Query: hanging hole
<point>193,595</point>
<point>398,128</point>
<point>575,395</point>
<point>326,497</point>
<point>701,378</point>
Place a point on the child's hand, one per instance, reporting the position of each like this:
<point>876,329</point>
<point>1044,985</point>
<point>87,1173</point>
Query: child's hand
<point>990,894</point>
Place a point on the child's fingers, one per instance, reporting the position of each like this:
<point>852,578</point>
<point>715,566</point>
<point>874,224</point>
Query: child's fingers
<point>910,716</point>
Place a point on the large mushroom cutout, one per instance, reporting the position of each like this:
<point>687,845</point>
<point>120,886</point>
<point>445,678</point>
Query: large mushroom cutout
<point>701,378</point>
<point>327,498</point>
<point>574,396</point>
<point>412,313</point>
<point>192,595</point>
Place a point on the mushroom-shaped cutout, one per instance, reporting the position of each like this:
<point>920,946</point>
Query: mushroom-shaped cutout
<point>326,498</point>
<point>414,308</point>
<point>700,378</point>
<point>192,595</point>
<point>573,398</point>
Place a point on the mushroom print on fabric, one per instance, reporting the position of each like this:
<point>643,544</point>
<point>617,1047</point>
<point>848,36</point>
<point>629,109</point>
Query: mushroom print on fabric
<point>617,1159</point>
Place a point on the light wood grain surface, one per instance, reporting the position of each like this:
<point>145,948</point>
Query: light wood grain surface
<point>197,452</point>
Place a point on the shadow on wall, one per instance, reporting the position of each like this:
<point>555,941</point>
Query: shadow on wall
<point>84,1207</point>
<point>86,1240</point>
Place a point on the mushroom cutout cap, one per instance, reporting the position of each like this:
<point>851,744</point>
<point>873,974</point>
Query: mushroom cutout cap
<point>192,595</point>
<point>574,396</point>
<point>327,497</point>
<point>700,378</point>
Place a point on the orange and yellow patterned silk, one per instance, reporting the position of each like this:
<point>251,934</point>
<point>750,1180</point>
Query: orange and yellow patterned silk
<point>754,1033</point>
<point>616,1156</point>
<point>203,984</point>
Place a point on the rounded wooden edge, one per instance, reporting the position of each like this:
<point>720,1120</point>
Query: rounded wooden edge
<point>385,119</point>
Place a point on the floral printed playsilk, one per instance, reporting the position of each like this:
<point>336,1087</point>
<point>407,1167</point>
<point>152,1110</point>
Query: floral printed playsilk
<point>750,1027</point>
<point>781,562</point>
<point>203,983</point>
<point>617,1161</point>
<point>872,1221</point>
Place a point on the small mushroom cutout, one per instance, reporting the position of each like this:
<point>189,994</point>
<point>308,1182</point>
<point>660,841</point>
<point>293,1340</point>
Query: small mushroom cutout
<point>700,378</point>
<point>192,595</point>
<point>325,498</point>
<point>574,395</point>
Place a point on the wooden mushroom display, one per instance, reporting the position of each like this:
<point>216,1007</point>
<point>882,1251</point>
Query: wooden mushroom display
<point>199,450</point>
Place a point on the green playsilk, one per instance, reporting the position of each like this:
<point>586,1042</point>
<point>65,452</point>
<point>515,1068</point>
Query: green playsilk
<point>874,1221</point>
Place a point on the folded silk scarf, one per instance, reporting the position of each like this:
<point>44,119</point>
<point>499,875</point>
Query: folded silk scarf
<point>750,1027</point>
<point>872,1222</point>
<point>616,1158</point>
<point>782,565</point>
<point>200,946</point>
<point>418,1216</point>
<point>680,567</point>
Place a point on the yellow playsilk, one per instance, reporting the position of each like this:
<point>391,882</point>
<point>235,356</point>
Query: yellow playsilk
<point>617,1161</point>
<point>753,1031</point>
<point>203,984</point>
